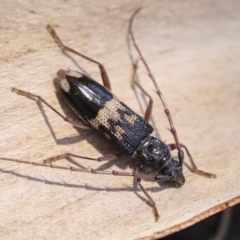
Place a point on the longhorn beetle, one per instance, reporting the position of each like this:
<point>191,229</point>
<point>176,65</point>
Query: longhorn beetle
<point>126,131</point>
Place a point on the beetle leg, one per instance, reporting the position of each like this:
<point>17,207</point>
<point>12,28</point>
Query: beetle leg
<point>148,111</point>
<point>172,146</point>
<point>107,157</point>
<point>74,122</point>
<point>105,79</point>
<point>90,170</point>
<point>151,201</point>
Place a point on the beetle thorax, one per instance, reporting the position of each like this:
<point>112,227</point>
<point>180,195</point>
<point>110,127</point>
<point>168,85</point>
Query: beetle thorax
<point>153,154</point>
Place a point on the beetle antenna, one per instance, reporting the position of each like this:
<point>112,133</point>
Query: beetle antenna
<point>166,110</point>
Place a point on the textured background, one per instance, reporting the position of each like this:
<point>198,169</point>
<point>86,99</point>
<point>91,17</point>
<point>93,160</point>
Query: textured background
<point>193,50</point>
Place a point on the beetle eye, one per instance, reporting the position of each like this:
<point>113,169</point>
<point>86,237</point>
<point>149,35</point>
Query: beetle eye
<point>166,150</point>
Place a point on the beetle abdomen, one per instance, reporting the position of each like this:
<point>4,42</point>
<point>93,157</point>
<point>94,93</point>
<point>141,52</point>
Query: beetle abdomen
<point>100,109</point>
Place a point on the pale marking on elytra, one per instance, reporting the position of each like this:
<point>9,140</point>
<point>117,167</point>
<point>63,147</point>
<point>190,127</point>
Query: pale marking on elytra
<point>119,131</point>
<point>75,74</point>
<point>64,84</point>
<point>110,111</point>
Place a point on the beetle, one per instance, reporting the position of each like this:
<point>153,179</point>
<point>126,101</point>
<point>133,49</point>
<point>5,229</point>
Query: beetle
<point>130,134</point>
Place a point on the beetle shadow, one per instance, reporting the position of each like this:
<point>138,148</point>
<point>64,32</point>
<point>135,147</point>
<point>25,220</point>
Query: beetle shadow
<point>87,187</point>
<point>78,186</point>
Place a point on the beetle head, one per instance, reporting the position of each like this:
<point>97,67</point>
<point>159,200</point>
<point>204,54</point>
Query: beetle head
<point>174,171</point>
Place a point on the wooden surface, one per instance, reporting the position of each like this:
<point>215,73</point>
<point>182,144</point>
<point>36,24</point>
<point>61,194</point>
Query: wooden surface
<point>199,76</point>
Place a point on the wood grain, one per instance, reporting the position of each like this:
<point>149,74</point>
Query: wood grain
<point>193,50</point>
